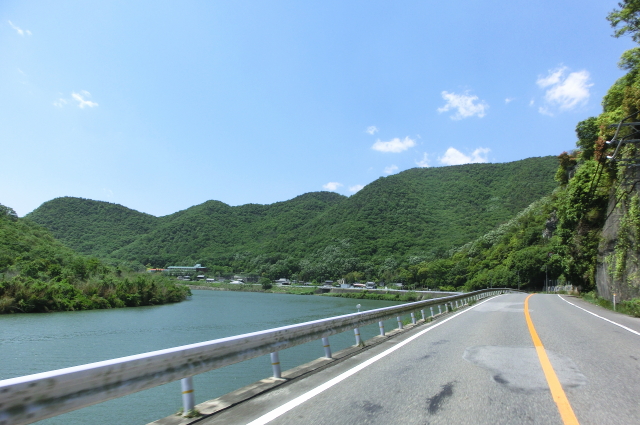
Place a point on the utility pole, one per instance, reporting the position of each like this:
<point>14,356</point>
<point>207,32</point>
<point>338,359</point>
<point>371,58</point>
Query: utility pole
<point>546,278</point>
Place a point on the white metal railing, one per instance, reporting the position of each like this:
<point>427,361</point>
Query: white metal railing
<point>558,288</point>
<point>31,398</point>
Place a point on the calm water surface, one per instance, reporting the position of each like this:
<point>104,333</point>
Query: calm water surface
<point>33,343</point>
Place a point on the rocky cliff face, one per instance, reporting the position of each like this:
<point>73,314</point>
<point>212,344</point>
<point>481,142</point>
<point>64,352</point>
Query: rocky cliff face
<point>618,253</point>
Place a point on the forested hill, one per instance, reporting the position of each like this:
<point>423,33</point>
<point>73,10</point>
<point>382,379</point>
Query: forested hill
<point>92,227</point>
<point>402,218</point>
<point>38,274</point>
<point>426,209</point>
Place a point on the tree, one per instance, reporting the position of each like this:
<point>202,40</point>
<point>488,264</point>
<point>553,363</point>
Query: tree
<point>9,213</point>
<point>265,283</point>
<point>629,16</point>
<point>587,132</point>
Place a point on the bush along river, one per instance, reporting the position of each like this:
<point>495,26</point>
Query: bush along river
<point>33,343</point>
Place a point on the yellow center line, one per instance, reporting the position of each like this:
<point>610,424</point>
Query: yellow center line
<point>566,412</point>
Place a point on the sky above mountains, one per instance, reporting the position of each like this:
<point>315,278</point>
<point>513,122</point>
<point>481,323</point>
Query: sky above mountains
<point>160,105</point>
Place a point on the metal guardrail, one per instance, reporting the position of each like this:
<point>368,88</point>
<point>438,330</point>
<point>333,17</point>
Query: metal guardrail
<point>31,398</point>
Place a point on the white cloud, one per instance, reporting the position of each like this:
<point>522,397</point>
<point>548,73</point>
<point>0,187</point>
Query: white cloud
<point>19,30</point>
<point>355,188</point>
<point>60,103</point>
<point>424,162</point>
<point>509,100</point>
<point>565,90</point>
<point>545,111</point>
<point>390,169</point>
<point>332,186</point>
<point>554,77</point>
<point>82,102</point>
<point>372,130</point>
<point>465,105</point>
<point>532,102</point>
<point>454,157</point>
<point>396,145</point>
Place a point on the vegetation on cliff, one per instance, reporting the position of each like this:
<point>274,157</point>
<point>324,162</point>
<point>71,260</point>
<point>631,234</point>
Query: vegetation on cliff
<point>39,274</point>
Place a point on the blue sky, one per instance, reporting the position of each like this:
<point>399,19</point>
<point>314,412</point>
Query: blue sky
<point>160,105</point>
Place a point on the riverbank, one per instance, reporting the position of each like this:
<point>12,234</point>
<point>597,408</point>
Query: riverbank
<point>362,294</point>
<point>294,290</point>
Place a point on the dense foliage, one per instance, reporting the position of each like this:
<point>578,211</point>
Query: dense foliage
<point>92,228</point>
<point>392,223</point>
<point>38,274</point>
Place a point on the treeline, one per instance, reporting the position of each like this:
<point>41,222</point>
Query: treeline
<point>376,234</point>
<point>39,274</point>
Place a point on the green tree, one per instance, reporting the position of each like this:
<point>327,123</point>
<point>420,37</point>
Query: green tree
<point>8,213</point>
<point>626,20</point>
<point>265,283</point>
<point>587,132</point>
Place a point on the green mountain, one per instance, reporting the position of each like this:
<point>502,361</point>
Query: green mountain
<point>92,227</point>
<point>38,274</point>
<point>394,221</point>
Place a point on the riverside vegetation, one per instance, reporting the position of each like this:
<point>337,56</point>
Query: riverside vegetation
<point>40,274</point>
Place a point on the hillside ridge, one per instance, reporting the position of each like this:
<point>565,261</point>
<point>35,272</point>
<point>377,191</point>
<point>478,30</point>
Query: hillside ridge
<point>416,213</point>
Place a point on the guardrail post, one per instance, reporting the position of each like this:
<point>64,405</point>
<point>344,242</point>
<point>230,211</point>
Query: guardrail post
<point>456,304</point>
<point>413,318</point>
<point>327,347</point>
<point>423,316</point>
<point>446,307</point>
<point>188,398</point>
<point>381,326</point>
<point>431,308</point>
<point>399,322</point>
<point>356,331</point>
<point>275,364</point>
<point>439,309</point>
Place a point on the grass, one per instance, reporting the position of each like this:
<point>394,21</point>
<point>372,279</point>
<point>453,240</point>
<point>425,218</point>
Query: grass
<point>366,295</point>
<point>631,307</point>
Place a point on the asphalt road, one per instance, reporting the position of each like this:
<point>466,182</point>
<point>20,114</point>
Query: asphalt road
<point>478,366</point>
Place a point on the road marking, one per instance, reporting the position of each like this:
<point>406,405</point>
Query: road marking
<point>268,417</point>
<point>566,412</point>
<point>600,317</point>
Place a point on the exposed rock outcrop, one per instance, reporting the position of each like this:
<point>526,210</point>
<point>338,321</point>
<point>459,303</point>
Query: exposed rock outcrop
<point>618,253</point>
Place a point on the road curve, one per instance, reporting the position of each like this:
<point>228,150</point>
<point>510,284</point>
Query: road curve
<point>478,366</point>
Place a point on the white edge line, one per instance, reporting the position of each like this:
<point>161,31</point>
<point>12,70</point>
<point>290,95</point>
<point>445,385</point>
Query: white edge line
<point>600,317</point>
<point>279,411</point>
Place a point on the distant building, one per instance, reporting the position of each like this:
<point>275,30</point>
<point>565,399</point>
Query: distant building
<point>155,270</point>
<point>173,270</point>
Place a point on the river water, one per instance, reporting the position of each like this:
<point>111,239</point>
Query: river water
<point>33,343</point>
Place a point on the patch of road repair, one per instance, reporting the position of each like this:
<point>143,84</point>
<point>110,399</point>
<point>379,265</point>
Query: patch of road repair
<point>518,368</point>
<point>505,307</point>
<point>436,402</point>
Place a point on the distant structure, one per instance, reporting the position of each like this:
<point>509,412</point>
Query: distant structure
<point>179,270</point>
<point>155,270</point>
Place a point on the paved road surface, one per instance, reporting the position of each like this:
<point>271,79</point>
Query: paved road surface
<point>476,367</point>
